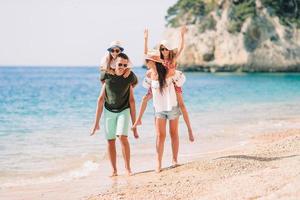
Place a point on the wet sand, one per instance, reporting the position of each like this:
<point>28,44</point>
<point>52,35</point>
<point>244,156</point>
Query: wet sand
<point>266,168</point>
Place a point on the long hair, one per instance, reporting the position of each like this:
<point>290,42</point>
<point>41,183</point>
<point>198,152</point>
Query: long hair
<point>172,55</point>
<point>162,74</point>
<point>108,68</point>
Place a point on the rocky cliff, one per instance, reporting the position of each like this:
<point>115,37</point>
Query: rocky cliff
<point>237,35</point>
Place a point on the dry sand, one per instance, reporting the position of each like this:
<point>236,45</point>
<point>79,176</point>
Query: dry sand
<point>266,168</point>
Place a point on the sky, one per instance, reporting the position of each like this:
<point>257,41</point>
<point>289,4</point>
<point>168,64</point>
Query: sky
<point>76,32</point>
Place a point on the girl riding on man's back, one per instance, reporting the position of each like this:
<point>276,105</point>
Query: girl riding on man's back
<point>117,100</point>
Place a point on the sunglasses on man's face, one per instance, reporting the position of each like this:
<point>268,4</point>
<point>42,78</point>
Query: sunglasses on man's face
<point>164,49</point>
<point>120,65</point>
<point>115,50</point>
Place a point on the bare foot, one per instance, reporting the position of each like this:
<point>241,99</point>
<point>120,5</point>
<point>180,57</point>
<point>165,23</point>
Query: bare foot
<point>114,174</point>
<point>158,169</point>
<point>129,173</point>
<point>191,136</point>
<point>175,164</point>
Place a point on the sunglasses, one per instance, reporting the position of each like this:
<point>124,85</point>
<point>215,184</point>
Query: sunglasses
<point>164,49</point>
<point>120,65</point>
<point>115,50</point>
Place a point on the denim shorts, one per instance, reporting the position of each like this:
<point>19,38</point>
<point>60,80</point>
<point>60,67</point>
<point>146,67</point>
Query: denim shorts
<point>170,115</point>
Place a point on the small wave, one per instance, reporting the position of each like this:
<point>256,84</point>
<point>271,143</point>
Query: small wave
<point>86,168</point>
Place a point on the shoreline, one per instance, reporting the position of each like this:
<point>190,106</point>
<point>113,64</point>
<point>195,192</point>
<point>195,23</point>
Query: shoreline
<point>189,68</point>
<point>213,155</point>
<point>265,168</point>
<point>235,69</point>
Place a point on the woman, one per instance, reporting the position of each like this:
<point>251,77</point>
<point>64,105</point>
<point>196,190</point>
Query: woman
<point>165,103</point>
<point>169,55</point>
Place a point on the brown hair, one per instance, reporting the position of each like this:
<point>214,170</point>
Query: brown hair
<point>162,74</point>
<point>171,57</point>
<point>123,55</point>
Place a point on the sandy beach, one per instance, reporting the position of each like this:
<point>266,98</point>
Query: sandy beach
<point>266,168</point>
<point>212,84</point>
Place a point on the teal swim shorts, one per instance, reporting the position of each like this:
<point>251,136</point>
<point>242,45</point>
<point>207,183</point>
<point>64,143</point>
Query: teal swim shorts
<point>116,123</point>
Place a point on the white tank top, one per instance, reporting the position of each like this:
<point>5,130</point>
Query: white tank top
<point>167,99</point>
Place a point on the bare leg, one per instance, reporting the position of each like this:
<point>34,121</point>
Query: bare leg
<point>160,140</point>
<point>185,116</point>
<point>126,152</point>
<point>143,107</point>
<point>111,148</point>
<point>174,139</point>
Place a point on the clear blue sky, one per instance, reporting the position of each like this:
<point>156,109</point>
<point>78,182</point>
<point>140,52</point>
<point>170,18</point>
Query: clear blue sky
<point>76,32</point>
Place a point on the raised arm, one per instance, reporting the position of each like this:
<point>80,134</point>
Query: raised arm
<point>183,30</point>
<point>145,41</point>
<point>99,109</point>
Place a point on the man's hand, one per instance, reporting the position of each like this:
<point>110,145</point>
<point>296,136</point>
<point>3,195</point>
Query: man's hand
<point>127,73</point>
<point>135,133</point>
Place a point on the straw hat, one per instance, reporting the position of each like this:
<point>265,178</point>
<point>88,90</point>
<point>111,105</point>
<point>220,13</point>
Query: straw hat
<point>153,55</point>
<point>168,44</point>
<point>115,44</point>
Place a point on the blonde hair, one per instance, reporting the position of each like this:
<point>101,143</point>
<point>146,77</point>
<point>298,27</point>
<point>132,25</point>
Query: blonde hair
<point>107,67</point>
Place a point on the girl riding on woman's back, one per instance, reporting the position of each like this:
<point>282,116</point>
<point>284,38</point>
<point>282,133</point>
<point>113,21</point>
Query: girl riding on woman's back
<point>169,56</point>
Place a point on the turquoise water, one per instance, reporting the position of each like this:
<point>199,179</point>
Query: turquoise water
<point>46,113</point>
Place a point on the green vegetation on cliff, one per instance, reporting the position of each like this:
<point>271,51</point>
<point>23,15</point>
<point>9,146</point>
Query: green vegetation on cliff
<point>188,12</point>
<point>239,12</point>
<point>288,11</point>
<point>197,12</point>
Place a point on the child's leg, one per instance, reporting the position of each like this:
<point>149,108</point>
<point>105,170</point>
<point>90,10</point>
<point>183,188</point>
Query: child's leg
<point>133,111</point>
<point>111,148</point>
<point>185,115</point>
<point>143,107</point>
<point>126,152</point>
<point>174,139</point>
<point>160,140</point>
